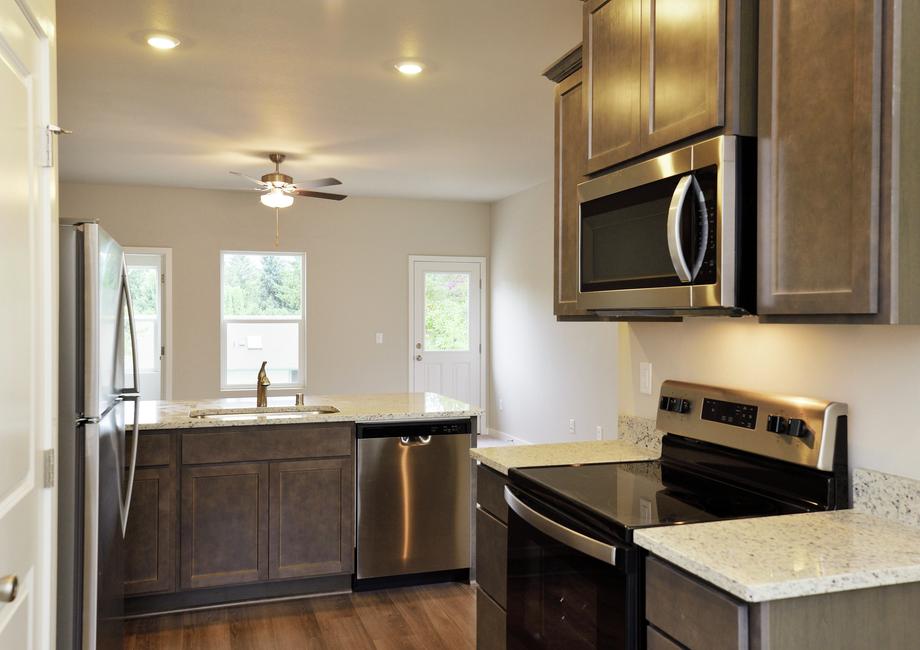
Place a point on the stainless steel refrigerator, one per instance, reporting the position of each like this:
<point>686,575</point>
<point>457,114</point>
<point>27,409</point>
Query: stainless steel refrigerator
<point>97,454</point>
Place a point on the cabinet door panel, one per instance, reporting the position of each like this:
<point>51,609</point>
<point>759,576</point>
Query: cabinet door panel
<point>818,148</point>
<point>224,524</point>
<point>150,538</point>
<point>683,52</point>
<point>570,163</point>
<point>312,520</point>
<point>613,39</point>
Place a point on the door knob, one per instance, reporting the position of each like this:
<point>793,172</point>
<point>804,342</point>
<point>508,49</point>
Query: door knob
<point>418,357</point>
<point>9,586</point>
<point>418,346</point>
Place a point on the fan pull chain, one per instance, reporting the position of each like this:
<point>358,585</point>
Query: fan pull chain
<point>277,230</point>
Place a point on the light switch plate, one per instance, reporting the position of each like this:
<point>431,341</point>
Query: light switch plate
<point>379,337</point>
<point>645,378</point>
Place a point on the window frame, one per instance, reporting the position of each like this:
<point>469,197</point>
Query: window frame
<point>301,322</point>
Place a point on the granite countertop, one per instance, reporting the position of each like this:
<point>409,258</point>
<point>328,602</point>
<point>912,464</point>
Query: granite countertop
<point>352,408</point>
<point>788,556</point>
<point>501,459</point>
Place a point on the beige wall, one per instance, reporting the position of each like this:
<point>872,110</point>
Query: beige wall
<point>875,369</point>
<point>543,372</point>
<point>357,270</point>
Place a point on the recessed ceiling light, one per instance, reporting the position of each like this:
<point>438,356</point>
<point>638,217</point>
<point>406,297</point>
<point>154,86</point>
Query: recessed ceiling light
<point>162,41</point>
<point>410,68</point>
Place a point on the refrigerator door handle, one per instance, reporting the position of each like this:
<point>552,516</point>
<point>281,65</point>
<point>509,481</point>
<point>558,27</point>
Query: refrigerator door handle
<point>135,391</point>
<point>132,467</point>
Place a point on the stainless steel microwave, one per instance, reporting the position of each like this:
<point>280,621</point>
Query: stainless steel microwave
<point>670,236</point>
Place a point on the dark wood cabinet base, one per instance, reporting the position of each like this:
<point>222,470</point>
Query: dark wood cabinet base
<point>235,595</point>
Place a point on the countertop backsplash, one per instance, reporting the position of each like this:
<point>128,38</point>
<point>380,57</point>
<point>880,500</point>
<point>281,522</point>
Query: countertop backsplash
<point>640,431</point>
<point>887,495</point>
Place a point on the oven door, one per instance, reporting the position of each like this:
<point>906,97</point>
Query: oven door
<point>651,236</point>
<point>566,588</point>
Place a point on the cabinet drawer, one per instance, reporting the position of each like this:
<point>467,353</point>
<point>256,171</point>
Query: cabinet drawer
<point>490,492</point>
<point>491,623</point>
<point>658,641</point>
<point>155,449</point>
<point>254,443</point>
<point>492,556</point>
<point>695,614</point>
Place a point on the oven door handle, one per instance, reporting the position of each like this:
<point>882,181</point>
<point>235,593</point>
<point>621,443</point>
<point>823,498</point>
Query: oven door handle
<point>573,539</point>
<point>675,217</point>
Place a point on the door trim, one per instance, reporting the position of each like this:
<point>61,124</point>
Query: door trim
<point>483,320</point>
<point>166,364</point>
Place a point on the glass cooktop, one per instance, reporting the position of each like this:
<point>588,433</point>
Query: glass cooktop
<point>643,494</point>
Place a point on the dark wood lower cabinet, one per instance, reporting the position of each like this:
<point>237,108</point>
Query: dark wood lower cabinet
<point>224,524</point>
<point>214,520</point>
<point>491,559</point>
<point>309,536</point>
<point>150,537</point>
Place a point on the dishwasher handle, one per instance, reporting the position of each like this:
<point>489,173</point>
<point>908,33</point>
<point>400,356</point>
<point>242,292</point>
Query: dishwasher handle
<point>414,441</point>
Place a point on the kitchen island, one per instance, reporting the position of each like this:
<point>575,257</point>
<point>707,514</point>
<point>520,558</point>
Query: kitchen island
<point>233,503</point>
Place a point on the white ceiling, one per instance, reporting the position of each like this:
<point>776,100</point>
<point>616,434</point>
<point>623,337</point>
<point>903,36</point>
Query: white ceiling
<point>314,78</point>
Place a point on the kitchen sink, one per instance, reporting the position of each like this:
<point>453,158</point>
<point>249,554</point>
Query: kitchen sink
<point>266,413</point>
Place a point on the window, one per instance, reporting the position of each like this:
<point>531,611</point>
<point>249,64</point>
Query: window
<point>262,318</point>
<point>447,312</point>
<point>148,280</point>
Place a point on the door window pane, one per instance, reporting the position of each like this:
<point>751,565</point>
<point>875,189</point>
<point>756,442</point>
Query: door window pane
<point>447,312</point>
<point>249,344</point>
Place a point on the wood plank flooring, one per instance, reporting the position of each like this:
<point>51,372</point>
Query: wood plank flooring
<point>426,617</point>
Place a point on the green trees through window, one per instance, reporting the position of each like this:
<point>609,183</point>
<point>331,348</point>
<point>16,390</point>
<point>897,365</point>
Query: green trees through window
<point>447,311</point>
<point>262,285</point>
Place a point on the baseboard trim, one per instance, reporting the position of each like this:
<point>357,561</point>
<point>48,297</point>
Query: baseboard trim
<point>501,435</point>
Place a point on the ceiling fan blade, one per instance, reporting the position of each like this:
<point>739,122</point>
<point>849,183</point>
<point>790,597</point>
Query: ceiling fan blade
<point>319,195</point>
<point>250,178</point>
<point>319,182</point>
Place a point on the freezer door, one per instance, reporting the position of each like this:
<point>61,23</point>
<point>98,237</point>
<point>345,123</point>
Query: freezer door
<point>104,324</point>
<point>103,541</point>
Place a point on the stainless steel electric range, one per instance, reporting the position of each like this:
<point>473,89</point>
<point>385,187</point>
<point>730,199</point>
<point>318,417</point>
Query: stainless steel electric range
<point>575,578</point>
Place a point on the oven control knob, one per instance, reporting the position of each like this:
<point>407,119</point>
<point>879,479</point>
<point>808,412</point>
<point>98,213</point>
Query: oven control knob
<point>777,424</point>
<point>679,405</point>
<point>797,428</point>
<point>665,403</point>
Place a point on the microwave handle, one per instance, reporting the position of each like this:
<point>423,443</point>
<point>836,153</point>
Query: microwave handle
<point>675,216</point>
<point>571,538</point>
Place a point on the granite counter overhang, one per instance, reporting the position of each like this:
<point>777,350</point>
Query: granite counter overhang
<point>383,407</point>
<point>791,556</point>
<point>501,459</point>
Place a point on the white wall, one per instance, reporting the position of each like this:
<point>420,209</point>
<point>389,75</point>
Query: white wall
<point>543,372</point>
<point>357,270</point>
<point>875,369</point>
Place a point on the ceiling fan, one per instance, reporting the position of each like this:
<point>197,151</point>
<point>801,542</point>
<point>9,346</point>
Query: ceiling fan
<point>278,190</point>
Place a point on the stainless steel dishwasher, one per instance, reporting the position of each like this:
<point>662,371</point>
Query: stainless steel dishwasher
<point>413,501</point>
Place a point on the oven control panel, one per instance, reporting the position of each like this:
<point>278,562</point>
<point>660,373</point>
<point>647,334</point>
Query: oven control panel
<point>733,413</point>
<point>795,429</point>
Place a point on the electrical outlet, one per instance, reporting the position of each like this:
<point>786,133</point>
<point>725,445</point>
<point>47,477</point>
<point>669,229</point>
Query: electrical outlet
<point>600,432</point>
<point>379,338</point>
<point>572,426</point>
<point>501,405</point>
<point>645,378</point>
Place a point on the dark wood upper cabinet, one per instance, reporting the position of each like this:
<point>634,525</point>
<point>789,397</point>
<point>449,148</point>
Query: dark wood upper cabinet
<point>150,538</point>
<point>658,73</point>
<point>612,67</point>
<point>570,162</point>
<point>312,518</point>
<point>224,524</point>
<point>838,161</point>
<point>683,64</point>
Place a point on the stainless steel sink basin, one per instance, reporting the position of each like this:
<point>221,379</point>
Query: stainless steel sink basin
<point>267,413</point>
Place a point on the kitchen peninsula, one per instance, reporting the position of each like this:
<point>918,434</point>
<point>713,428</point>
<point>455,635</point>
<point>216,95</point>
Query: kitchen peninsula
<point>234,503</point>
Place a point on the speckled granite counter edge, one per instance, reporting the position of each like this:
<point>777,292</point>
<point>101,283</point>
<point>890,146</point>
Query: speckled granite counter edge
<point>887,495</point>
<point>587,452</point>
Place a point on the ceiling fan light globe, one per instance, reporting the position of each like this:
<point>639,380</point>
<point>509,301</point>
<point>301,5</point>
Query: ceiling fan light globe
<point>276,198</point>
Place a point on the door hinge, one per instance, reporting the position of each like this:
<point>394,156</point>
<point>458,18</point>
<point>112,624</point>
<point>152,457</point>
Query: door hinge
<point>48,455</point>
<point>48,154</point>
<point>480,348</point>
<point>162,351</point>
<point>162,278</point>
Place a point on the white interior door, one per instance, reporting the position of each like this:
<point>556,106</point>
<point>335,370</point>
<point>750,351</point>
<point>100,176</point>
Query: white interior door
<point>27,277</point>
<point>446,341</point>
<point>148,281</point>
